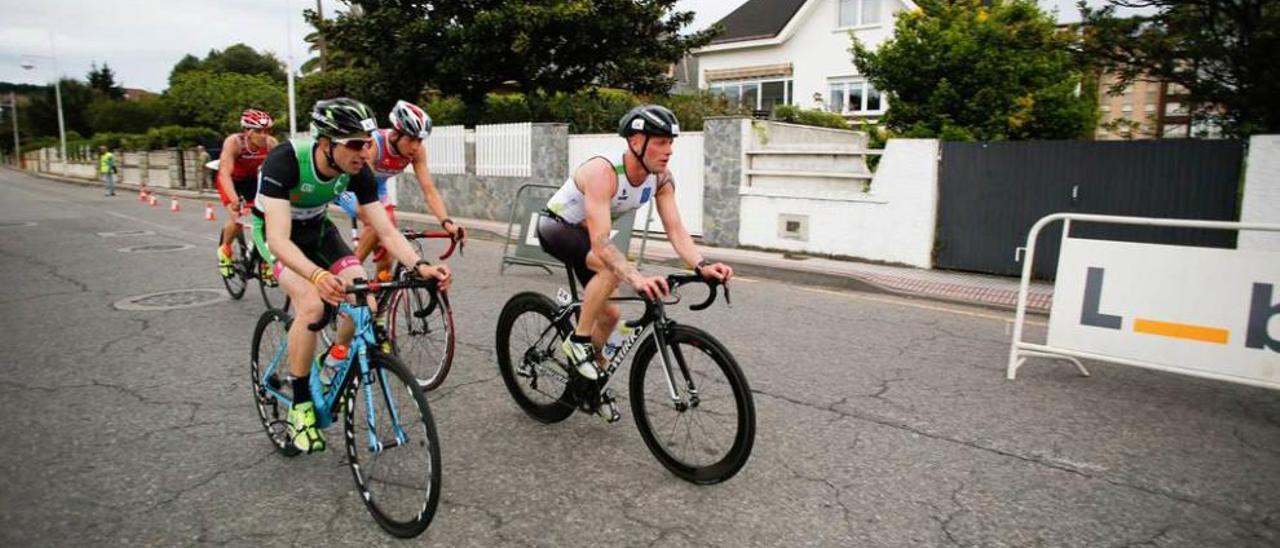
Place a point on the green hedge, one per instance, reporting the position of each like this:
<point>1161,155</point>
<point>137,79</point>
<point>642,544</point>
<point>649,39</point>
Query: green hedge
<point>796,115</point>
<point>153,139</point>
<point>589,111</point>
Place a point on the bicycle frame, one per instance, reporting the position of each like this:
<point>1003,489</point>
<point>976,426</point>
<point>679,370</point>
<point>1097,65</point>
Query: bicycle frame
<point>328,406</point>
<point>659,324</point>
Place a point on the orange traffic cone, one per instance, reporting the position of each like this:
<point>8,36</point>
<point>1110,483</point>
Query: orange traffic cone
<point>173,205</point>
<point>208,212</point>
<point>151,200</point>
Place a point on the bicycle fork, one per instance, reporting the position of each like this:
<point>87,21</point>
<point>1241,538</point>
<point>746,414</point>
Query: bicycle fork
<point>665,355</point>
<point>376,446</point>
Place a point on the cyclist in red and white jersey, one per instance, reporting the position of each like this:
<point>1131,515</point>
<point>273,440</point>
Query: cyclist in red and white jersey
<point>242,154</point>
<point>395,149</point>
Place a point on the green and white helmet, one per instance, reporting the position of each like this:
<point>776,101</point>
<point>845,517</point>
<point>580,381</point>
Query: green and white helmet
<point>342,117</point>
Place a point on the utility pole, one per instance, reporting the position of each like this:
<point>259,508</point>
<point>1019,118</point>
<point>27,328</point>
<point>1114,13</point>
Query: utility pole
<point>319,36</point>
<point>13,111</point>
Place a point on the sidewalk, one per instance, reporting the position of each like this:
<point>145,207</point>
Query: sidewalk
<point>958,287</point>
<point>942,285</point>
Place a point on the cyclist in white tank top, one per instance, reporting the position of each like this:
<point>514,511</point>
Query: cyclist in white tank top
<point>579,219</point>
<point>569,203</point>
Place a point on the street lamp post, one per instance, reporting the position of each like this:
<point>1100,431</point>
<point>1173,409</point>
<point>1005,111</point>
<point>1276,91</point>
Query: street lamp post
<point>57,91</point>
<point>288,26</point>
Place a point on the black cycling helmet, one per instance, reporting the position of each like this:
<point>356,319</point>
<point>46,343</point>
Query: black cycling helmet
<point>649,120</point>
<point>341,117</point>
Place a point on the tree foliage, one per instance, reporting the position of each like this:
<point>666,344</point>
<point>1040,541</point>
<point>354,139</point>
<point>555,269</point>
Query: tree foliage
<point>980,70</point>
<point>468,48</point>
<point>127,116</point>
<point>43,108</point>
<point>1223,52</point>
<point>216,99</point>
<point>238,59</point>
<point>103,80</point>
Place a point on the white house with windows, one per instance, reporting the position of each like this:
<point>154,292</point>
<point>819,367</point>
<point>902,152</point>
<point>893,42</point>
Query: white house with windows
<point>796,52</point>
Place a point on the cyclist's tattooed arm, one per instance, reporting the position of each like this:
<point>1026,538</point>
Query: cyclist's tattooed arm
<point>598,183</point>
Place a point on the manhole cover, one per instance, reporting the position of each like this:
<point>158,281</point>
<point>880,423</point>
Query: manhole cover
<point>16,224</point>
<point>172,300</point>
<point>155,248</point>
<point>123,233</point>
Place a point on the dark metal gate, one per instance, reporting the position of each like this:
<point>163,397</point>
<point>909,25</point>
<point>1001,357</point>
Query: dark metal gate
<point>990,194</point>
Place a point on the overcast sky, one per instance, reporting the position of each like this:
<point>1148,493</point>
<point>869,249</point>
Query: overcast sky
<point>142,39</point>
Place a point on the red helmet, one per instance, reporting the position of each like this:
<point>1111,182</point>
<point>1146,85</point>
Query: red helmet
<point>255,119</point>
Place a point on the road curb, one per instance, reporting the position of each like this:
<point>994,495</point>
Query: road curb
<point>745,267</point>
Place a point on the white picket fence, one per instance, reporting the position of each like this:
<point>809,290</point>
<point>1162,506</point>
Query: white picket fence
<point>446,147</point>
<point>686,166</point>
<point>504,150</point>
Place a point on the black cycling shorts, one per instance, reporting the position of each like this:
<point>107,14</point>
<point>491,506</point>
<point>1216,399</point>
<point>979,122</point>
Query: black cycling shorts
<point>569,243</point>
<point>318,239</point>
<point>246,188</point>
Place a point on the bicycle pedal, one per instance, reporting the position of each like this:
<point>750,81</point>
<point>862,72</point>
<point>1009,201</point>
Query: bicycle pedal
<point>608,409</point>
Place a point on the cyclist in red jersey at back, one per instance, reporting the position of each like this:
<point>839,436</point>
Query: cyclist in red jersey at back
<point>395,149</point>
<point>242,154</point>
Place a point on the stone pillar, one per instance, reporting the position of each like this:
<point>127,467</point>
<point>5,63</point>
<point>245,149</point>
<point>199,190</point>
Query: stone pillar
<point>549,154</point>
<point>722,161</point>
<point>177,179</point>
<point>1261,202</point>
<point>144,166</point>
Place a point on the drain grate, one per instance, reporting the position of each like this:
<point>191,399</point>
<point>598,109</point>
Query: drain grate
<point>17,224</point>
<point>172,300</point>
<point>155,248</point>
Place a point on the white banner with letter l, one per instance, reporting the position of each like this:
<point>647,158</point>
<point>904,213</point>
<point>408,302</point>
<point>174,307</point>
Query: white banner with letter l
<point>1201,311</point>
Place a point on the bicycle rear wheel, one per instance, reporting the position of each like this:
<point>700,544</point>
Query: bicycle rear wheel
<point>421,327</point>
<point>236,282</point>
<point>706,436</point>
<point>268,353</point>
<point>530,360</point>
<point>392,447</point>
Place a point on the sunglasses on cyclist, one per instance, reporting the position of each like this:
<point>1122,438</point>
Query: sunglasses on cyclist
<point>354,143</point>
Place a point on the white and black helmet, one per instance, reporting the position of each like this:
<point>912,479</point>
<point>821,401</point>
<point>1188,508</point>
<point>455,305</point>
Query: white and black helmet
<point>409,119</point>
<point>649,120</point>
<point>341,117</point>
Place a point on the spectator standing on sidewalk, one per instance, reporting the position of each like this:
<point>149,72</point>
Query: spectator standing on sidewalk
<point>107,169</point>
<point>202,160</point>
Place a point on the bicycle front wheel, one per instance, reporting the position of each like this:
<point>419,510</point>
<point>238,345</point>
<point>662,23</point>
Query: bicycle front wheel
<point>237,281</point>
<point>421,328</point>
<point>705,435</point>
<point>392,447</point>
<point>267,368</point>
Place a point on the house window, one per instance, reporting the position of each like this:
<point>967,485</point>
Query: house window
<point>855,97</point>
<point>756,94</point>
<point>859,13</point>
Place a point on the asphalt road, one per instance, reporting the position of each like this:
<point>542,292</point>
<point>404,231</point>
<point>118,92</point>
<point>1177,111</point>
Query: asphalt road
<point>881,421</point>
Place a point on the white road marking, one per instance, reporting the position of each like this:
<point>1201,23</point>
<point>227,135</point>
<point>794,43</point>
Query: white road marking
<point>166,227</point>
<point>902,301</point>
